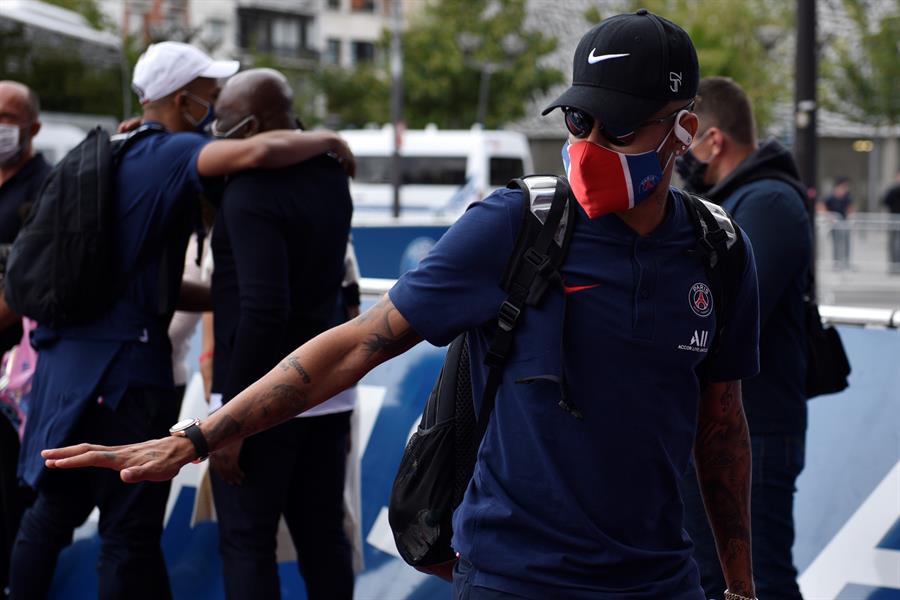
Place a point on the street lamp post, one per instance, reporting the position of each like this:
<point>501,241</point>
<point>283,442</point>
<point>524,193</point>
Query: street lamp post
<point>396,105</point>
<point>470,43</point>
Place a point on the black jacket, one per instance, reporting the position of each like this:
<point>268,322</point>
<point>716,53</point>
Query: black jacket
<point>765,197</point>
<point>279,244</point>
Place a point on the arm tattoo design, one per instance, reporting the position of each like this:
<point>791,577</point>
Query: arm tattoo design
<point>385,339</point>
<point>294,363</point>
<point>224,429</point>
<point>723,459</point>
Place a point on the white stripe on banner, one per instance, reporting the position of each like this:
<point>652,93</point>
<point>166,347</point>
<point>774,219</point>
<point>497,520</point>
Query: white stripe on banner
<point>627,173</point>
<point>852,556</point>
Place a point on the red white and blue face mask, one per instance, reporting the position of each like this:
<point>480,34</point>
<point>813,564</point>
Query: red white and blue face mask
<point>605,181</point>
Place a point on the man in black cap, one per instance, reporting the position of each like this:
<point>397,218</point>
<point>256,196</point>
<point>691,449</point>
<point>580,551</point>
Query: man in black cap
<point>564,503</point>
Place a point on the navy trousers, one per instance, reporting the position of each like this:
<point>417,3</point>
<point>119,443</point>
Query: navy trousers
<point>131,562</point>
<point>297,470</point>
<point>778,460</point>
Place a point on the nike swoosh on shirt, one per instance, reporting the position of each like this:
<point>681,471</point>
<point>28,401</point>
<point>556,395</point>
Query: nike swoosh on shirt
<point>579,288</point>
<point>593,59</point>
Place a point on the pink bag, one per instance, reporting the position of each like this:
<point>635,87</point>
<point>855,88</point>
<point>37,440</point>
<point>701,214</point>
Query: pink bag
<point>16,370</point>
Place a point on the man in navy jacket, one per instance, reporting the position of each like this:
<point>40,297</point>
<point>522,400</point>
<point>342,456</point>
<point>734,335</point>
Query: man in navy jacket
<point>759,186</point>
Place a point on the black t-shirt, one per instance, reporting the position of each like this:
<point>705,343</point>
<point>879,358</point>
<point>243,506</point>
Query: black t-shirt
<point>892,199</point>
<point>16,196</point>
<point>22,188</point>
<point>279,243</point>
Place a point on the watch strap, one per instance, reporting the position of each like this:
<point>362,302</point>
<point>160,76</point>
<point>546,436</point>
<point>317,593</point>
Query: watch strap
<point>197,438</point>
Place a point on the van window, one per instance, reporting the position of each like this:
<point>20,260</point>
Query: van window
<point>420,170</point>
<point>504,169</point>
<point>434,170</point>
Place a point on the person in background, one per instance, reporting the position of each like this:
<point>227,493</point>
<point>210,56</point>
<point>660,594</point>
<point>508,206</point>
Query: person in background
<point>839,204</point>
<point>758,184</point>
<point>111,379</point>
<point>279,268</point>
<point>22,171</point>
<point>184,323</point>
<point>892,201</point>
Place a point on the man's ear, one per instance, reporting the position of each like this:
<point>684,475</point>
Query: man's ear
<point>179,100</point>
<point>35,127</point>
<point>253,126</point>
<point>717,137</point>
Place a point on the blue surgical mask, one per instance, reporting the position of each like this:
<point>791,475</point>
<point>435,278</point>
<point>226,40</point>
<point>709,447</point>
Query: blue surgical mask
<point>207,118</point>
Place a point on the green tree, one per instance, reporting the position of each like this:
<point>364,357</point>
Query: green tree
<point>446,49</point>
<point>862,75</point>
<point>67,76</point>
<point>89,9</point>
<point>355,97</point>
<point>740,39</point>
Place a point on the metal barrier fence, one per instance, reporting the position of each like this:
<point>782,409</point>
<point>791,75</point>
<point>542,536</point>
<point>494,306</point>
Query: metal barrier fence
<point>836,315</point>
<point>863,242</point>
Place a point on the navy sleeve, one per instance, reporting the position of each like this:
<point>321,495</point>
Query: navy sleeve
<point>775,219</point>
<point>184,148</point>
<point>738,356</point>
<point>261,261</point>
<point>457,286</point>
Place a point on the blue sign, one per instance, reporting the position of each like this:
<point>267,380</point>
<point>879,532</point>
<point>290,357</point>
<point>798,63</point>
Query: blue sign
<point>847,509</point>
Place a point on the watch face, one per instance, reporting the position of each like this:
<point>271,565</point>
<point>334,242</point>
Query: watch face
<point>181,425</point>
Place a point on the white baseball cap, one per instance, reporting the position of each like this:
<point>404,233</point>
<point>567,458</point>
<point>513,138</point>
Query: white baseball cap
<point>167,67</point>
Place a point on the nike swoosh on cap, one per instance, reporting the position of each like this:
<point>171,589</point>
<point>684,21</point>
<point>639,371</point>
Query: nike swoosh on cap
<point>594,59</point>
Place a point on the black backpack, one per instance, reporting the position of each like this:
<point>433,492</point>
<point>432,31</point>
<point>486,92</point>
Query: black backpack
<point>439,459</point>
<point>58,272</point>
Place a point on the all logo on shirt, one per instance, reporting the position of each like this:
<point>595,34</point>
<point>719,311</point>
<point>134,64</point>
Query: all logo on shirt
<point>701,300</point>
<point>699,342</point>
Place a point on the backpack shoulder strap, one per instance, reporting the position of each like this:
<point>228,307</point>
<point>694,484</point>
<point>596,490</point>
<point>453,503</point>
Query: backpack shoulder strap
<point>539,249</point>
<point>548,219</point>
<point>720,246</point>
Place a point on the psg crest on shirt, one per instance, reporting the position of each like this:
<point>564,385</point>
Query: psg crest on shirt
<point>701,299</point>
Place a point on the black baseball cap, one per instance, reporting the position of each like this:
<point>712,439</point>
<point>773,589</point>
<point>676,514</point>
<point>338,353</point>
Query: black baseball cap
<point>628,67</point>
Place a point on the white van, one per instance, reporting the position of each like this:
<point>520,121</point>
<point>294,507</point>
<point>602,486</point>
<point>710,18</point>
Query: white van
<point>60,132</point>
<point>443,170</point>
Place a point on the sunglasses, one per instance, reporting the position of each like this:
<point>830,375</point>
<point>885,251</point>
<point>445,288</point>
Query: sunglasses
<point>580,124</point>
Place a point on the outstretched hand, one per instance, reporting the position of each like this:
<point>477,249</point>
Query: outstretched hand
<point>153,460</point>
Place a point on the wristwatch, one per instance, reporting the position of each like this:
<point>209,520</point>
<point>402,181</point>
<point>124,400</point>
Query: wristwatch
<point>190,428</point>
<point>729,595</point>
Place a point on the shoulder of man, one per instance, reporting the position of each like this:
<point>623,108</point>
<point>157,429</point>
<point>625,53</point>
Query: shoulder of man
<point>168,145</point>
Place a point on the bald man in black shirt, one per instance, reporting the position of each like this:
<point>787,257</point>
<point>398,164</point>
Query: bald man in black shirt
<point>279,265</point>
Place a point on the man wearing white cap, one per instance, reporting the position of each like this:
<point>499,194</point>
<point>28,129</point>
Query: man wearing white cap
<point>110,380</point>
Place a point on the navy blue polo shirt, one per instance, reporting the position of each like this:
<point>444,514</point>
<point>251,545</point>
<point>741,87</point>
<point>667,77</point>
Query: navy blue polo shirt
<point>158,202</point>
<point>157,193</point>
<point>567,508</point>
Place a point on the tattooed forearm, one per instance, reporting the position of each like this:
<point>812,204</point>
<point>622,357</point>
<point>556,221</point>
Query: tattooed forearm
<point>222,429</point>
<point>292,362</point>
<point>385,339</point>
<point>723,458</point>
